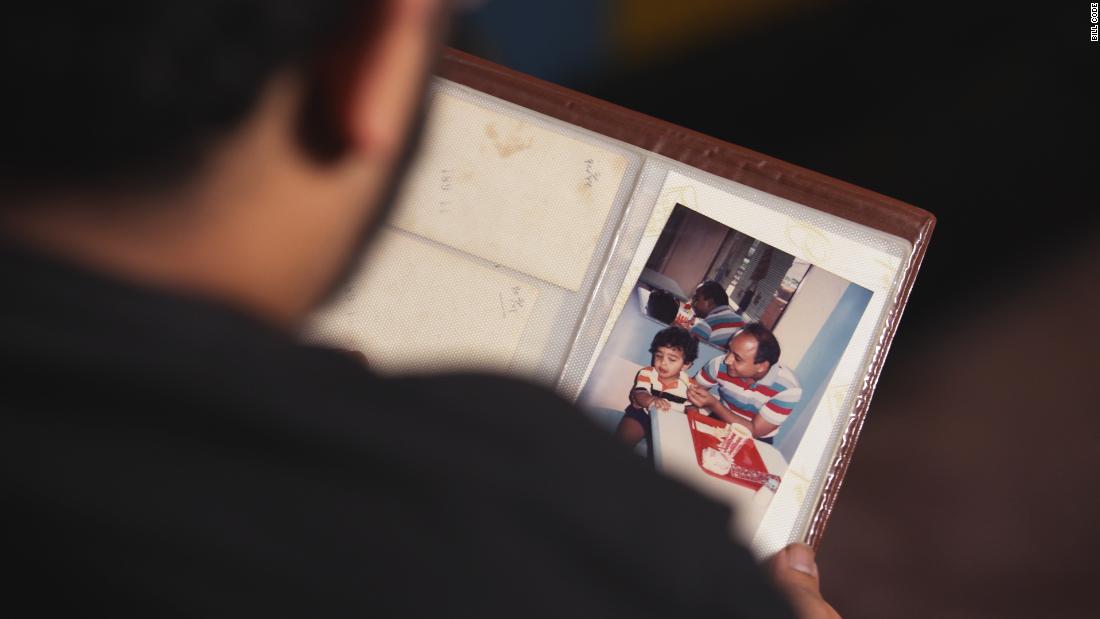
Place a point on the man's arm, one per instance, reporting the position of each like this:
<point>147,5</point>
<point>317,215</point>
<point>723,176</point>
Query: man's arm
<point>698,390</point>
<point>703,398</point>
<point>777,410</point>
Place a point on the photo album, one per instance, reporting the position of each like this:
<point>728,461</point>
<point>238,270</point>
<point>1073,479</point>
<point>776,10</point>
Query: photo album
<point>723,314</point>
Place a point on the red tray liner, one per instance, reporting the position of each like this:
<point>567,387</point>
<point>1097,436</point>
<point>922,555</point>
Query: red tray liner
<point>747,457</point>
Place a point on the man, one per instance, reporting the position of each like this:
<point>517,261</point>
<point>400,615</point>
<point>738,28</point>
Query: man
<point>180,186</point>
<point>717,321</point>
<point>754,390</point>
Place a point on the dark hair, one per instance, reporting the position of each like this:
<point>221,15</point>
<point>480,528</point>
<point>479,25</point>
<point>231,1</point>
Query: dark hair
<point>767,347</point>
<point>714,292</point>
<point>102,96</point>
<point>676,337</point>
<point>662,305</point>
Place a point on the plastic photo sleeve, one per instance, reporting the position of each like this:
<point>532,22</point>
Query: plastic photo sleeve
<point>730,328</point>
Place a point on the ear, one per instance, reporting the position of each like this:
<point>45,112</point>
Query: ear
<point>762,367</point>
<point>387,73</point>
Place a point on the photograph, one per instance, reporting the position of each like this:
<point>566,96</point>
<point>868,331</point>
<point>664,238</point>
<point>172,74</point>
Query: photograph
<point>720,357</point>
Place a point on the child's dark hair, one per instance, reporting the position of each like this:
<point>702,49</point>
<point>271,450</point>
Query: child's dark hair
<point>662,306</point>
<point>676,337</point>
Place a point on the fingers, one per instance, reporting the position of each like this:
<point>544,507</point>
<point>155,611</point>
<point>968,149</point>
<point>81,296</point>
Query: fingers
<point>795,571</point>
<point>695,398</point>
<point>698,396</point>
<point>796,564</point>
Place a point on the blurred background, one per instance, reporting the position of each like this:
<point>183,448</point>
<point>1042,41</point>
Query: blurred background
<point>974,487</point>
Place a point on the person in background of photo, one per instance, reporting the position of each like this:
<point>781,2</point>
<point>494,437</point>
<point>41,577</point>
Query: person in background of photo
<point>717,321</point>
<point>662,385</point>
<point>754,389</point>
<point>662,306</point>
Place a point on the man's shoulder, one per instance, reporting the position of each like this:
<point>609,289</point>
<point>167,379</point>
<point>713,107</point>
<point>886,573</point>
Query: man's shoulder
<point>491,389</point>
<point>491,410</point>
<point>712,367</point>
<point>725,313</point>
<point>784,378</point>
<point>347,470</point>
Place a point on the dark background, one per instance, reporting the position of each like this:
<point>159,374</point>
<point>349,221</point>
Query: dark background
<point>974,487</point>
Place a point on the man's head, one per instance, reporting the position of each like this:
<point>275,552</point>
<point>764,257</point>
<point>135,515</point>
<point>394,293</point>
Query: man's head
<point>238,149</point>
<point>673,349</point>
<point>752,352</point>
<point>708,295</point>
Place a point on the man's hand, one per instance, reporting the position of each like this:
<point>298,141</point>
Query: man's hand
<point>795,571</point>
<point>701,397</point>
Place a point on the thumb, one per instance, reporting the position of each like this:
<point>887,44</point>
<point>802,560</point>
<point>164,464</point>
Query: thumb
<point>795,571</point>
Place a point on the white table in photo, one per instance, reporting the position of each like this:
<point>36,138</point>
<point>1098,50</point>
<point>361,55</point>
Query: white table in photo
<point>674,455</point>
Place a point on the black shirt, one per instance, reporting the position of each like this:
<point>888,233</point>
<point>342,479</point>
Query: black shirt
<point>165,455</point>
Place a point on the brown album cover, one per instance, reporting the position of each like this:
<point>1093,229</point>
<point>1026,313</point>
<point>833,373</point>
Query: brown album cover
<point>722,312</point>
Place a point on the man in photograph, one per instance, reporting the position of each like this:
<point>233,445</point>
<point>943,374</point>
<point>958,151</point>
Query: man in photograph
<point>754,389</point>
<point>182,182</point>
<point>717,320</point>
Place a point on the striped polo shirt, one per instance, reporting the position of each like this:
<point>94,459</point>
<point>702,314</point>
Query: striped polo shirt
<point>719,326</point>
<point>771,397</point>
<point>674,390</point>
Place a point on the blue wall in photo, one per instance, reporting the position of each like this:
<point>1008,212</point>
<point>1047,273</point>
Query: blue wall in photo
<point>636,348</point>
<point>817,365</point>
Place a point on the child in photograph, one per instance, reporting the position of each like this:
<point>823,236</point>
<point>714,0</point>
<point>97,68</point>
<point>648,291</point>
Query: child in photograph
<point>662,385</point>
